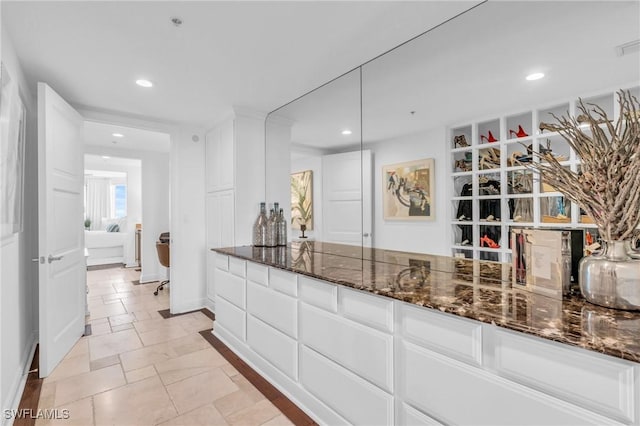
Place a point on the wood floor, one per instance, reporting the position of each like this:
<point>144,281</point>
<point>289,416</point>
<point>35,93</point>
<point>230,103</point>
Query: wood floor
<point>142,365</point>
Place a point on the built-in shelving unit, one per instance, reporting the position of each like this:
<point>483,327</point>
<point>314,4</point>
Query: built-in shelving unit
<point>491,193</point>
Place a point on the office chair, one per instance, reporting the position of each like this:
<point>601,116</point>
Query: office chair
<point>163,258</point>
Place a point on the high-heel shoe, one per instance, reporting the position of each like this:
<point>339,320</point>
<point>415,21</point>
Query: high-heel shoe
<point>489,138</point>
<point>489,242</point>
<point>520,133</point>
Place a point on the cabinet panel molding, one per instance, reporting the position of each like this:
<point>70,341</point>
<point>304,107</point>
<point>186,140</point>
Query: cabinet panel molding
<point>367,309</point>
<point>278,310</point>
<point>274,346</point>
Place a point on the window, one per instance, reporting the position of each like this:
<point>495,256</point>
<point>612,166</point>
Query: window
<point>118,200</point>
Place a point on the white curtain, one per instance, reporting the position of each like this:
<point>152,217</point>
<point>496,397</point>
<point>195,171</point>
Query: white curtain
<point>98,200</point>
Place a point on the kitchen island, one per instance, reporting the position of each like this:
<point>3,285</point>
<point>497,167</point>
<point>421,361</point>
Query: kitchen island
<point>369,336</point>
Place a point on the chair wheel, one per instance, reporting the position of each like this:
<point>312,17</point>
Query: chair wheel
<point>161,288</point>
<point>155,293</point>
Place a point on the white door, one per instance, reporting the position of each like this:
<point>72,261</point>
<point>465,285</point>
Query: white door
<point>62,286</point>
<point>346,198</point>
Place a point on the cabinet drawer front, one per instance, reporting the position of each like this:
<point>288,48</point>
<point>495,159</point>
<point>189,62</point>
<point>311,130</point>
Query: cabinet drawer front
<point>431,382</point>
<point>318,293</point>
<point>222,261</point>
<point>231,318</point>
<point>358,401</point>
<point>283,281</point>
<point>598,382</point>
<point>368,309</point>
<point>363,350</point>
<point>257,273</point>
<point>275,347</point>
<point>411,416</point>
<point>278,310</point>
<point>230,287</point>
<point>237,266</point>
<point>443,333</point>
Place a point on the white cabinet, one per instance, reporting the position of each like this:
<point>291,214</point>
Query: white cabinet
<point>349,357</point>
<point>234,157</point>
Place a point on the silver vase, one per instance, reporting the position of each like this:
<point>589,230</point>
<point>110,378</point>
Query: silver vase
<point>612,278</point>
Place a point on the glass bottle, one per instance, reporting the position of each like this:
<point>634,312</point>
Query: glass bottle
<point>260,227</point>
<point>271,239</point>
<point>281,229</point>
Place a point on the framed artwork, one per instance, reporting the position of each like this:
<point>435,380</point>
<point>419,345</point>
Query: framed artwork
<point>408,190</point>
<point>12,141</point>
<point>302,200</point>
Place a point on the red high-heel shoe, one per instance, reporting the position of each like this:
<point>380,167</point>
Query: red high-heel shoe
<point>520,133</point>
<point>490,138</point>
<point>489,242</point>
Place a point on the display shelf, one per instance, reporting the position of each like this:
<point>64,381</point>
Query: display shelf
<point>514,190</point>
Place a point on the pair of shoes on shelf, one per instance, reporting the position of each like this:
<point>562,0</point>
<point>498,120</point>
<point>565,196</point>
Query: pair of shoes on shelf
<point>488,138</point>
<point>485,240</point>
<point>519,134</point>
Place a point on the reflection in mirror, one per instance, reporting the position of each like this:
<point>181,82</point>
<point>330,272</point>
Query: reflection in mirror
<point>472,70</point>
<point>313,163</point>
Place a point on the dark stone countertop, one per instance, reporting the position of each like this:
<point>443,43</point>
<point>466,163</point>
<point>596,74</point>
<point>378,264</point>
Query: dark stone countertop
<point>479,290</point>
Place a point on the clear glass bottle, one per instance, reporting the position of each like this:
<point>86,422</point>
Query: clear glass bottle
<point>276,207</point>
<point>281,229</point>
<point>260,227</point>
<point>271,239</point>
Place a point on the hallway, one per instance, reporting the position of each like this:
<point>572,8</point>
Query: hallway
<point>138,368</point>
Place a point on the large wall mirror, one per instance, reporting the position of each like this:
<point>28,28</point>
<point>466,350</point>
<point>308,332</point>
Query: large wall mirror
<point>401,106</point>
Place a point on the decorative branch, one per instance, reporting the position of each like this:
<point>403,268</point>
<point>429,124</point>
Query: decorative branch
<point>607,187</point>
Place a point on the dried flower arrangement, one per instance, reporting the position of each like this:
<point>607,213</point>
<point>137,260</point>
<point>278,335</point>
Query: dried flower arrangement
<point>607,187</point>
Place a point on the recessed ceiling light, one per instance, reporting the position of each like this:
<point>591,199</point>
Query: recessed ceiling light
<point>144,83</point>
<point>106,157</point>
<point>346,132</point>
<point>117,135</point>
<point>535,76</point>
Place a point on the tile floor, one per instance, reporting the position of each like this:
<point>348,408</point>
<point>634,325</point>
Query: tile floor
<point>138,368</point>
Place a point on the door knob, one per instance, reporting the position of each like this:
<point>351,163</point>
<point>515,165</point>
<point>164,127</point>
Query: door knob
<point>366,234</point>
<point>54,258</point>
<point>38,259</point>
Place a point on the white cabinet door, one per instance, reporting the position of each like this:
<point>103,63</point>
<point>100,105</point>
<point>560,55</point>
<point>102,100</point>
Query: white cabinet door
<point>220,231</point>
<point>220,157</point>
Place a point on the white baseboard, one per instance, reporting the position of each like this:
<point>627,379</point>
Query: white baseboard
<point>149,278</point>
<point>210,305</point>
<point>191,305</point>
<point>14,395</point>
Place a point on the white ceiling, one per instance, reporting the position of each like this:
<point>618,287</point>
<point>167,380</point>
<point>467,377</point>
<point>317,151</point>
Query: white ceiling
<point>255,54</point>
<point>473,67</point>
<point>100,134</point>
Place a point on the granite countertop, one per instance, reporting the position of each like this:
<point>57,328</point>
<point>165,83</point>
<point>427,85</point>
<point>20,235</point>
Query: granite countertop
<point>479,290</point>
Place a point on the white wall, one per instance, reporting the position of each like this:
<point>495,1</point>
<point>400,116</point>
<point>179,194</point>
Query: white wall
<point>313,163</point>
<point>154,199</point>
<point>422,237</point>
<point>134,198</point>
<point>188,237</point>
<point>18,275</point>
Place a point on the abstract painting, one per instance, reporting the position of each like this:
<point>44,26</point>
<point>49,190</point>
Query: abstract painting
<point>408,190</point>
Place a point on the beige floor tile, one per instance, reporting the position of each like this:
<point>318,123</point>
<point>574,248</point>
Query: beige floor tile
<point>154,337</point>
<point>116,296</point>
<point>104,362</point>
<point>47,395</point>
<point>142,403</point>
<point>108,310</point>
<point>79,413</point>
<point>100,328</point>
<point>162,351</point>
<point>279,420</point>
<point>140,315</point>
<point>234,402</point>
<point>70,366</point>
<point>255,415</point>
<point>143,326</point>
<point>127,326</point>
<point>140,374</point>
<point>200,390</point>
<point>121,319</point>
<point>176,369</point>
<point>80,348</point>
<point>247,387</point>
<point>229,370</point>
<point>196,321</point>
<point>87,384</point>
<point>205,416</point>
<point>113,344</point>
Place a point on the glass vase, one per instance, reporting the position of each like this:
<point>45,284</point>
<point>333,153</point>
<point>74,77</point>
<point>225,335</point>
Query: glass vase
<point>612,278</point>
